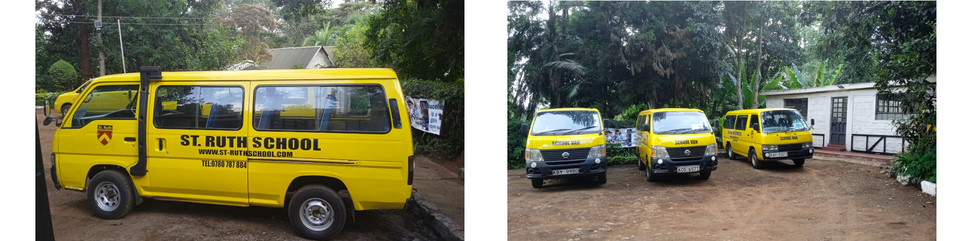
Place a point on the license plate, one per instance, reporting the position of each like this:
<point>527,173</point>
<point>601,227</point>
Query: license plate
<point>684,169</point>
<point>565,171</point>
<point>777,154</point>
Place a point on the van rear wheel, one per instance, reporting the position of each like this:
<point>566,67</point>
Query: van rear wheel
<point>316,212</point>
<point>110,195</point>
<point>730,152</point>
<point>639,165</point>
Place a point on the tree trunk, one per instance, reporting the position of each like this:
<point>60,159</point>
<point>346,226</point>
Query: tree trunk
<point>84,54</point>
<point>757,71</point>
<point>738,82</point>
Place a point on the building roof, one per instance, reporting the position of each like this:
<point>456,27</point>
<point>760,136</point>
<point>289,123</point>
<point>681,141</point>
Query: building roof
<point>840,87</point>
<point>292,58</point>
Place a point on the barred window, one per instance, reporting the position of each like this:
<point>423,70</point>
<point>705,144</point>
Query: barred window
<point>801,105</point>
<point>889,109</point>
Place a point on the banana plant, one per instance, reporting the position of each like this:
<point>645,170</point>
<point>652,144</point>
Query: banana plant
<point>819,79</point>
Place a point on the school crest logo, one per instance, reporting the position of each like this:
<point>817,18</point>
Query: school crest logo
<point>104,134</point>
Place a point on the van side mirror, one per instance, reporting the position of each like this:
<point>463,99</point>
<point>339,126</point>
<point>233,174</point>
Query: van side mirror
<point>47,120</point>
<point>813,122</point>
<point>47,108</point>
<point>524,128</point>
<point>645,127</point>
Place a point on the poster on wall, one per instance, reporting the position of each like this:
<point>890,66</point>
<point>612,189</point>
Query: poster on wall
<point>425,114</point>
<point>627,137</point>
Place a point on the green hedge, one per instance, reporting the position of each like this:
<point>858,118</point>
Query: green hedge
<point>515,144</point>
<point>40,96</point>
<point>449,144</point>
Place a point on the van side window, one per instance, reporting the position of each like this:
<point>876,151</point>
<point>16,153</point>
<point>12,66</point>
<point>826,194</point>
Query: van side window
<point>327,108</point>
<point>754,120</point>
<point>639,122</point>
<point>117,102</point>
<point>741,122</point>
<point>729,122</point>
<point>199,107</point>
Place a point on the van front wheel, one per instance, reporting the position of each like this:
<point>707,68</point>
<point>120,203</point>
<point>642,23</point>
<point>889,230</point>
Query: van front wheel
<point>730,152</point>
<point>799,162</point>
<point>316,212</point>
<point>754,159</point>
<point>537,183</point>
<point>110,195</point>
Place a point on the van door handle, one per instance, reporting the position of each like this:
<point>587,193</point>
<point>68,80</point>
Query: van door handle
<point>129,139</point>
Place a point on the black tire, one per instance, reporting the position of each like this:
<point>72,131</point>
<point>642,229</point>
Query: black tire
<point>309,214</point>
<point>730,152</point>
<point>64,109</point>
<point>110,195</point>
<point>537,183</point>
<point>753,157</point>
<point>639,165</point>
<point>799,162</point>
<point>600,178</point>
<point>649,175</point>
<point>704,175</point>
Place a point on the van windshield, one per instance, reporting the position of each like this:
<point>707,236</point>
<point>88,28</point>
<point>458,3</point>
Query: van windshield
<point>680,122</point>
<point>575,122</point>
<point>782,121</point>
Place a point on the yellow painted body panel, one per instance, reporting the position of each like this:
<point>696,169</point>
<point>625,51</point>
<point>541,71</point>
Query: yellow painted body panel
<point>566,141</point>
<point>742,141</point>
<point>68,97</point>
<point>648,139</point>
<point>244,166</point>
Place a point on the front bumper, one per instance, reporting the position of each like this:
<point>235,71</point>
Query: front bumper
<point>804,153</point>
<point>544,170</point>
<point>669,166</point>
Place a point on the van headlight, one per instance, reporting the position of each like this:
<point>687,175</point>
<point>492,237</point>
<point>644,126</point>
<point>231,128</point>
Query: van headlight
<point>807,144</point>
<point>659,152</point>
<point>596,152</point>
<point>711,150</point>
<point>769,147</point>
<point>532,155</point>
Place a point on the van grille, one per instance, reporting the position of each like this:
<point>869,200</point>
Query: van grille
<point>680,152</point>
<point>790,147</point>
<point>573,154</point>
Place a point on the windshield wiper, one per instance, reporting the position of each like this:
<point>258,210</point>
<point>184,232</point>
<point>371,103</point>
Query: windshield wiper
<point>675,131</point>
<point>549,131</point>
<point>583,128</point>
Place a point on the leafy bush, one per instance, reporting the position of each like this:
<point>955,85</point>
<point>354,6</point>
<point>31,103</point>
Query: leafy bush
<point>515,144</point>
<point>449,144</point>
<point>41,95</point>
<point>918,162</point>
<point>61,76</point>
<point>617,155</point>
<point>610,123</point>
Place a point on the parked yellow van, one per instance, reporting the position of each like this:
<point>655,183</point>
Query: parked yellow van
<point>226,138</point>
<point>767,134</point>
<point>675,140</point>
<point>565,142</point>
<point>64,101</point>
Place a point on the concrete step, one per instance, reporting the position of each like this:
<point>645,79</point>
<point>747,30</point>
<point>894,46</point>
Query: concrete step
<point>834,147</point>
<point>854,157</point>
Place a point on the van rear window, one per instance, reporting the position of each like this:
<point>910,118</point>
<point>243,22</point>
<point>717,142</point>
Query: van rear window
<point>326,108</point>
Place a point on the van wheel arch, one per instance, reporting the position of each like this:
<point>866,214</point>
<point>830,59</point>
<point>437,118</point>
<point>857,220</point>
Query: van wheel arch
<point>94,170</point>
<point>334,183</point>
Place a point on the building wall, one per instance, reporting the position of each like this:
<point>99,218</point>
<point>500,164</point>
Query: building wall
<point>861,110</point>
<point>318,61</point>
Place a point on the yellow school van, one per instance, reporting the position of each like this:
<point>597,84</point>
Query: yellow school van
<point>290,139</point>
<point>767,134</point>
<point>564,142</point>
<point>64,101</point>
<point>673,141</point>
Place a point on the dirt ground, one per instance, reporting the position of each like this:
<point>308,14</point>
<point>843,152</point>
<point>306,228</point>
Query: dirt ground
<point>825,200</point>
<point>162,220</point>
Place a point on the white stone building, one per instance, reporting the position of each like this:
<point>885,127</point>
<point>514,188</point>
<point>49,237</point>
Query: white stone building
<point>846,115</point>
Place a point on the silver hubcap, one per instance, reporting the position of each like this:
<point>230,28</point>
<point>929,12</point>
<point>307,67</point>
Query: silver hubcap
<point>730,153</point>
<point>317,214</point>
<point>754,160</point>
<point>107,196</point>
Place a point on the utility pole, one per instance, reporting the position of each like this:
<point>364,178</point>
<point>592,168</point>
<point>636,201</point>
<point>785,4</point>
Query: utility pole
<point>101,45</point>
<point>120,46</point>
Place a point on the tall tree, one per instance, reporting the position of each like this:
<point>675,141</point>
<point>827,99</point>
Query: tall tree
<point>420,39</point>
